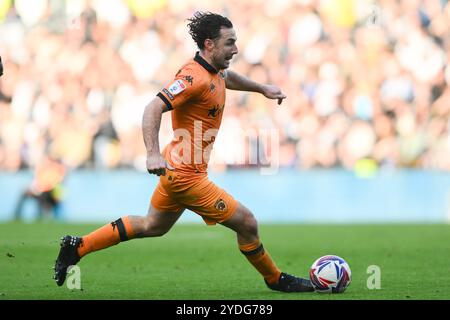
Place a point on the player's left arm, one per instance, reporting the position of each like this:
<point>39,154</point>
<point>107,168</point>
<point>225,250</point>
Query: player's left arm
<point>235,81</point>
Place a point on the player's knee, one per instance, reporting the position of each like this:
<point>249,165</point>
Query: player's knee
<point>250,225</point>
<point>153,230</point>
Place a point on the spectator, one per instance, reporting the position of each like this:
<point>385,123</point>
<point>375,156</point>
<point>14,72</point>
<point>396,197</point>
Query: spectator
<point>362,80</point>
<point>46,188</point>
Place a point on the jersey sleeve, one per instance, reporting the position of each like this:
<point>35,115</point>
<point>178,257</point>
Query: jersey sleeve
<point>185,87</point>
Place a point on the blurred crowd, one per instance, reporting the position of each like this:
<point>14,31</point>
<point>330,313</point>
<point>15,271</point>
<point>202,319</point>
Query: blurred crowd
<point>367,82</point>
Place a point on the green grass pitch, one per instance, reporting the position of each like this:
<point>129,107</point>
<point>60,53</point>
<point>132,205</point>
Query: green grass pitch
<point>200,262</point>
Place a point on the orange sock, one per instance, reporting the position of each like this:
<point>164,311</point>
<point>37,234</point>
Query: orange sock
<point>261,260</point>
<point>106,236</point>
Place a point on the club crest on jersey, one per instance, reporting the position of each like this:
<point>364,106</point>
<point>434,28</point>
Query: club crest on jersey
<point>177,87</point>
<point>220,205</point>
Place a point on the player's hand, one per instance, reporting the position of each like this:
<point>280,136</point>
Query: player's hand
<point>156,164</point>
<point>273,92</point>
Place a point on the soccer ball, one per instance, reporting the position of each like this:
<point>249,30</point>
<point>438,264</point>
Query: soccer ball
<point>330,274</point>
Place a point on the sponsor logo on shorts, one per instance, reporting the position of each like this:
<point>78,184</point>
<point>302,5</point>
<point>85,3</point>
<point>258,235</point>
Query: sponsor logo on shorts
<point>220,205</point>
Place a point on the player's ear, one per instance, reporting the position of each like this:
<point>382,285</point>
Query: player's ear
<point>209,44</point>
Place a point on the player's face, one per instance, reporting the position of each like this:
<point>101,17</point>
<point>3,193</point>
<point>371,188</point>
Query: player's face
<point>225,48</point>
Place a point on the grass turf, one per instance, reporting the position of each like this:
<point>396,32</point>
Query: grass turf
<point>200,262</point>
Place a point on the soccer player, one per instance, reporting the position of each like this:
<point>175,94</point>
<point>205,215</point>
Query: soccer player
<point>196,98</point>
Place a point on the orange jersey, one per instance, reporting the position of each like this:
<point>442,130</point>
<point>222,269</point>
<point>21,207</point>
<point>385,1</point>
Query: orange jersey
<point>197,98</point>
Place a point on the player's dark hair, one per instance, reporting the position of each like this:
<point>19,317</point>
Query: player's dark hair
<point>207,25</point>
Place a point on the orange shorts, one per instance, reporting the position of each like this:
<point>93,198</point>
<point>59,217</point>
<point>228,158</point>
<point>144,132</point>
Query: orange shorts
<point>176,191</point>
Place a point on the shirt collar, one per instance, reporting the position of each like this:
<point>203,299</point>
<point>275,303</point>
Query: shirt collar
<point>204,63</point>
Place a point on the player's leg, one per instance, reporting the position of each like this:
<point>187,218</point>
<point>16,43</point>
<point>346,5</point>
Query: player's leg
<point>215,205</point>
<point>246,227</point>
<point>162,215</point>
<point>155,224</point>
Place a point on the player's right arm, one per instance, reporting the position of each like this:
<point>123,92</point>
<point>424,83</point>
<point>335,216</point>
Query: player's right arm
<point>151,122</point>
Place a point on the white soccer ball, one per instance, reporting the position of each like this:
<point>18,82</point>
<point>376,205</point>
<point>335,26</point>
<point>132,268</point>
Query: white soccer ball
<point>330,274</point>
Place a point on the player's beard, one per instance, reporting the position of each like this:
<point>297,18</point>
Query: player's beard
<point>221,62</point>
<point>226,63</point>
